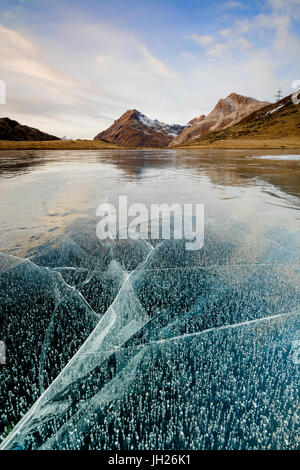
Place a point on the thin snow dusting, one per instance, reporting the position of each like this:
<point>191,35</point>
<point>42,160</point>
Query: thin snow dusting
<point>294,158</point>
<point>275,110</point>
<point>172,130</point>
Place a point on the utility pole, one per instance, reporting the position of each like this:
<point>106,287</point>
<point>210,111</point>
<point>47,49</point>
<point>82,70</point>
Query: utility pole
<point>278,95</point>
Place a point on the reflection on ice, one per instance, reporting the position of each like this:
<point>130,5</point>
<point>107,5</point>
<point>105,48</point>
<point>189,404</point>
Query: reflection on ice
<point>144,345</point>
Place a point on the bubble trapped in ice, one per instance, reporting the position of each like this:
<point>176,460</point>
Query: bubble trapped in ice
<point>145,345</point>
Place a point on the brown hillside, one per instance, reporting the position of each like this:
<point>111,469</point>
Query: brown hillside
<point>228,111</point>
<point>278,122</point>
<point>13,130</point>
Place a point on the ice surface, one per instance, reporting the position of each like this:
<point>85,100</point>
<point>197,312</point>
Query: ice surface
<point>280,157</point>
<point>43,322</point>
<point>234,388</point>
<point>143,345</point>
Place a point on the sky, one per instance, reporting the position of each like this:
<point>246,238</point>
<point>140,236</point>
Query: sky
<point>72,67</point>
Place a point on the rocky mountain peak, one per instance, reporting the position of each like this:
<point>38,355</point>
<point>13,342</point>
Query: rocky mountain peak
<point>134,129</point>
<point>227,112</point>
<point>129,114</point>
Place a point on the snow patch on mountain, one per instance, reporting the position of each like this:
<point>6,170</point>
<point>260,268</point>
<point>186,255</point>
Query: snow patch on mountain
<point>172,130</point>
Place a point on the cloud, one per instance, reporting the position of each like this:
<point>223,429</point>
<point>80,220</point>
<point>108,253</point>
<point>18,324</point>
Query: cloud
<point>77,76</point>
<point>226,32</point>
<point>15,40</point>
<point>19,55</point>
<point>41,94</point>
<point>103,61</point>
<point>204,40</point>
<point>218,50</point>
<point>233,4</point>
<point>98,73</point>
<point>292,7</point>
<point>274,29</point>
<point>158,67</point>
<point>285,44</point>
<point>255,56</point>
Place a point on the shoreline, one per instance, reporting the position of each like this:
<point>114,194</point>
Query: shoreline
<point>247,144</point>
<point>228,144</point>
<point>57,145</point>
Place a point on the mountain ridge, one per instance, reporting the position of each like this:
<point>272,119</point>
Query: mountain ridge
<point>234,119</point>
<point>227,112</point>
<point>14,131</point>
<point>275,123</point>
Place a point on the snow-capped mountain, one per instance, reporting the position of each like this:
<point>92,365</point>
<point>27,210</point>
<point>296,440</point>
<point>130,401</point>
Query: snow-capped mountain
<point>134,129</point>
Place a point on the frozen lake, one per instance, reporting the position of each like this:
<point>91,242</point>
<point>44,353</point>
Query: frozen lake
<point>140,344</point>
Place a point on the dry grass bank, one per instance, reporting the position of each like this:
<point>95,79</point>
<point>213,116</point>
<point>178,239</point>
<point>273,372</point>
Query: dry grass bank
<point>57,145</point>
<point>239,144</point>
